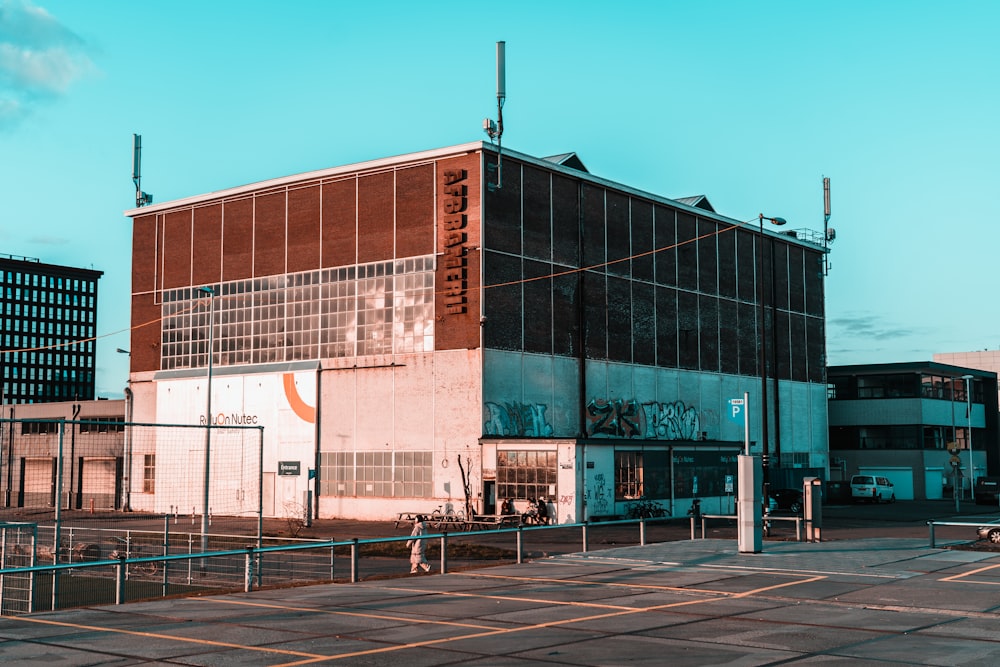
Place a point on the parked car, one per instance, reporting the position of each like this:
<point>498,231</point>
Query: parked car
<point>872,488</point>
<point>785,499</point>
<point>987,490</point>
<point>990,532</point>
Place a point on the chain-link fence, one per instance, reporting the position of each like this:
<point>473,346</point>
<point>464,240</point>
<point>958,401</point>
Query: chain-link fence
<point>82,491</point>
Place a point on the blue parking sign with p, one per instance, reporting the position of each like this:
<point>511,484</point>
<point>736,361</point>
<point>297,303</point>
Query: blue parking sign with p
<point>736,407</point>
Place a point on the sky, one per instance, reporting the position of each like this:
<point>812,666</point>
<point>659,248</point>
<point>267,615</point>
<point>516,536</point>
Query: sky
<point>749,103</point>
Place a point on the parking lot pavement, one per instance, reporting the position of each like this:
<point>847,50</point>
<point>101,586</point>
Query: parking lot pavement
<point>694,602</point>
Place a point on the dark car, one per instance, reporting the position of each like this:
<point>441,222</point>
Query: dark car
<point>987,490</point>
<point>786,499</point>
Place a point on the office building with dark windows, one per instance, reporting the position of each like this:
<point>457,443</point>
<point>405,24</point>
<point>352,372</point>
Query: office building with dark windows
<point>919,424</point>
<point>440,330</point>
<point>49,327</point>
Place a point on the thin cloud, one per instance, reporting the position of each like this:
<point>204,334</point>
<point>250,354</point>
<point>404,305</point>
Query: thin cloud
<point>871,327</point>
<point>39,59</point>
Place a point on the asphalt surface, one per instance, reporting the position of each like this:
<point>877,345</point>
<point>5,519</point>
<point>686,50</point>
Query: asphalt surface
<point>853,598</point>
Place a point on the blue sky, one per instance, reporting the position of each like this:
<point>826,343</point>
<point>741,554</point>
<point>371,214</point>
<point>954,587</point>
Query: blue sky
<point>750,103</point>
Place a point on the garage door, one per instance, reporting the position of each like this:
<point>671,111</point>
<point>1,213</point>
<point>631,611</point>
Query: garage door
<point>901,478</point>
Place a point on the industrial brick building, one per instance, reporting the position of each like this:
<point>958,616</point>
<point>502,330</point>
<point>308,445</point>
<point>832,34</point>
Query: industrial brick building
<point>421,335</point>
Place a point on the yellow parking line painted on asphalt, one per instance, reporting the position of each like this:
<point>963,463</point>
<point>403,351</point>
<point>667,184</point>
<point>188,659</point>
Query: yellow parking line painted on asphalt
<point>584,582</point>
<point>963,577</point>
<point>336,612</point>
<point>157,635</point>
<point>550,624</point>
<point>305,658</point>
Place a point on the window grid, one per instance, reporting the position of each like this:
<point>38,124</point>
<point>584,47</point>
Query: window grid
<point>524,474</point>
<point>363,310</point>
<point>377,474</point>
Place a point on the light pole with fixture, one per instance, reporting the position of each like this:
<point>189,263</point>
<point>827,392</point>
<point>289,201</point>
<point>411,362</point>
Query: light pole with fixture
<point>762,360</point>
<point>208,414</point>
<point>968,437</point>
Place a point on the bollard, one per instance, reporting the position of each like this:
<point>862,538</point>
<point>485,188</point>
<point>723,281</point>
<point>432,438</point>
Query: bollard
<point>520,544</point>
<point>930,524</point>
<point>444,552</point>
<point>248,571</point>
<point>642,532</point>
<point>354,560</point>
<point>703,522</point>
<point>584,526</point>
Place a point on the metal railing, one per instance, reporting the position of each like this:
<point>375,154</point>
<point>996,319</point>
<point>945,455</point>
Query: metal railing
<point>104,566</point>
<point>968,524</point>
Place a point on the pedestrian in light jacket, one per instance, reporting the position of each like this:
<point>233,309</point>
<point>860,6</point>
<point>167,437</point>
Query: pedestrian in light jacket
<point>416,544</point>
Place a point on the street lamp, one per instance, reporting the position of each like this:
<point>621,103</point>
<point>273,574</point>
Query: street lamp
<point>968,437</point>
<point>762,360</point>
<point>210,291</point>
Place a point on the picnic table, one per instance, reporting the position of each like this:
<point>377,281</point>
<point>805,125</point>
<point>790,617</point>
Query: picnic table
<point>436,520</point>
<point>481,521</point>
<point>406,518</point>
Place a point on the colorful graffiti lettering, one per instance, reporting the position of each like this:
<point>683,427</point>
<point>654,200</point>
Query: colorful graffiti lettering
<point>615,417</point>
<point>655,421</point>
<point>671,421</point>
<point>517,419</point>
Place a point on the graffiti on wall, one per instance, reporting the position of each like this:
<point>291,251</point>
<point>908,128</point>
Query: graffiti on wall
<point>516,419</point>
<point>653,420</point>
<point>597,496</point>
<point>618,418</point>
<point>671,421</point>
<point>615,417</point>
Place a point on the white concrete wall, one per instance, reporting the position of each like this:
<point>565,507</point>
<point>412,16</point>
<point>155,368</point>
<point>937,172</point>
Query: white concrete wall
<point>422,402</point>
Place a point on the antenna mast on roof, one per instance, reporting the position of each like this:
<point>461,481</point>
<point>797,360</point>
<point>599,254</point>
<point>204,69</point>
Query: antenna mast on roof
<point>829,233</point>
<point>495,129</point>
<point>141,198</point>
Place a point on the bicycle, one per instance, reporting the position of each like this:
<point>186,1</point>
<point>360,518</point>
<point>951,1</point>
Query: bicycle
<point>644,508</point>
<point>127,549</point>
<point>442,517</point>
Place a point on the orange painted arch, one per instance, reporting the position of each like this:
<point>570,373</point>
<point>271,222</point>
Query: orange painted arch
<point>306,413</point>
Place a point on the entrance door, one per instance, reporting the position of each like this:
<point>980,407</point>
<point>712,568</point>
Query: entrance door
<point>933,488</point>
<point>267,500</point>
<point>490,497</point>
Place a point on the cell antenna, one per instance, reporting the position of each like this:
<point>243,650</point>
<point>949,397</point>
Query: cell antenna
<point>495,129</point>
<point>141,198</point>
<point>829,233</point>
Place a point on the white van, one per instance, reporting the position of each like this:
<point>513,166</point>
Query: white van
<point>872,488</point>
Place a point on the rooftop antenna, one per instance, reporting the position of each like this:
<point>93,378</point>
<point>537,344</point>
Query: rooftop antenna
<point>829,233</point>
<point>141,198</point>
<point>495,129</point>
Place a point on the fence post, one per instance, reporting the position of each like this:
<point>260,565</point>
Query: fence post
<point>444,552</point>
<point>584,536</point>
<point>520,544</point>
<point>248,571</point>
<point>166,551</point>
<point>642,532</point>
<point>354,560</point>
<point>120,580</point>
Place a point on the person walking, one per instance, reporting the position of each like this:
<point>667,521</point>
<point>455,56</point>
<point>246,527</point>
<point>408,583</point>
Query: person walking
<point>416,544</point>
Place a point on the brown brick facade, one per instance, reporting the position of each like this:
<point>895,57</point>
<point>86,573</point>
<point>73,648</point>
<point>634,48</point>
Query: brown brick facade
<point>343,220</point>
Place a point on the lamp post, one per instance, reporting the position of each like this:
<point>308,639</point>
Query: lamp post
<point>208,414</point>
<point>762,360</point>
<point>968,437</point>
